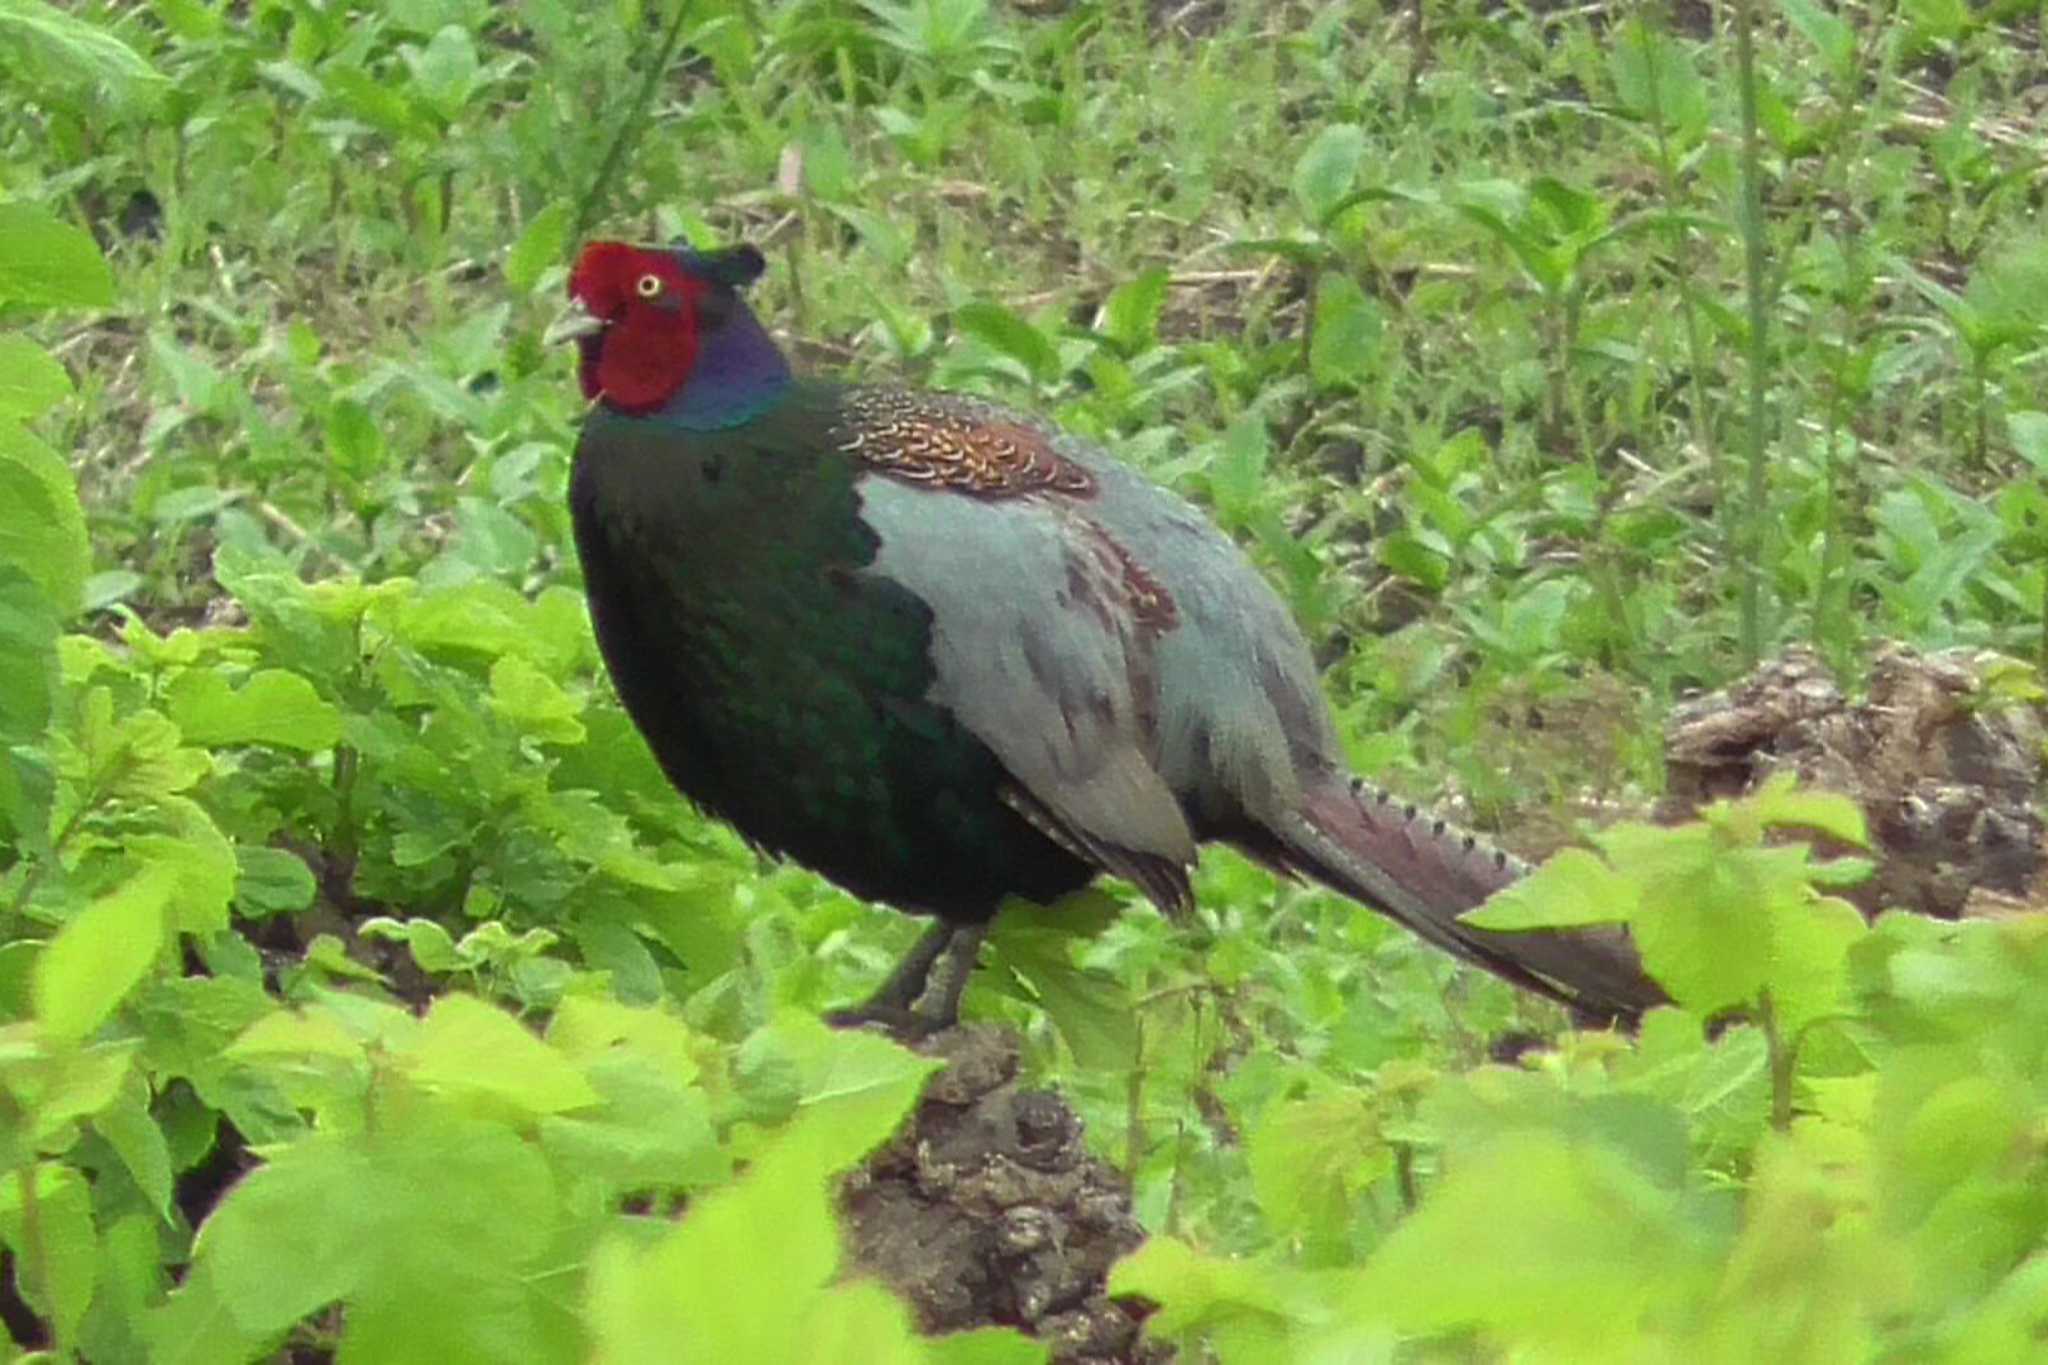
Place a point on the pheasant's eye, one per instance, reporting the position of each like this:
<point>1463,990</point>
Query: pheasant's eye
<point>648,285</point>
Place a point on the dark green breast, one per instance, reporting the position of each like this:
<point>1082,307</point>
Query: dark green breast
<point>782,687</point>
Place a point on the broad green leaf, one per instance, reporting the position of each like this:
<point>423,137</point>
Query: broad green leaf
<point>202,859</point>
<point>1310,1158</point>
<point>98,957</point>
<point>432,947</point>
<point>1781,801</point>
<point>1708,937</point>
<point>861,1320</point>
<point>1004,331</point>
<point>1830,33</point>
<point>445,70</point>
<point>2029,433</point>
<point>54,1270</point>
<point>42,526</point>
<point>1574,887</point>
<point>271,881</point>
<point>1130,316</point>
<point>135,1137</point>
<point>1091,1009</point>
<point>468,1048</point>
<point>865,1083</point>
<point>535,702</point>
<point>1250,1310</point>
<point>986,1346</point>
<point>542,244</point>
<point>296,1033</point>
<point>195,1327</point>
<point>1655,80</point>
<point>696,1295</point>
<point>89,50</point>
<point>1809,969</point>
<point>31,380</point>
<point>294,1235</point>
<point>1531,1222</point>
<point>1346,345</point>
<point>354,440</point>
<point>273,707</point>
<point>653,1129</point>
<point>48,263</point>
<point>28,655</point>
<point>1326,169</point>
<point>462,1216</point>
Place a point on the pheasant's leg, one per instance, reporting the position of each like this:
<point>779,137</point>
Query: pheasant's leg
<point>939,1005</point>
<point>893,1000</point>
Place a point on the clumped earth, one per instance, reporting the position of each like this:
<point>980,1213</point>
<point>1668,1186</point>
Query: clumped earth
<point>986,1209</point>
<point>1947,777</point>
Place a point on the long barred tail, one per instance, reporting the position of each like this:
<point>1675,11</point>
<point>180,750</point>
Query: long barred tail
<point>1423,873</point>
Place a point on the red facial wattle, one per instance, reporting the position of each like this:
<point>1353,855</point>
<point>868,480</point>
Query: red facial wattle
<point>648,304</point>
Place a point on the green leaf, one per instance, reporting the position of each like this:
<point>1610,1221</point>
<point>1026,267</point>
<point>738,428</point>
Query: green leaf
<point>56,1270</point>
<point>1655,80</point>
<point>2029,433</point>
<point>1345,349</point>
<point>89,50</point>
<point>1130,315</point>
<point>534,702</point>
<point>96,959</point>
<point>542,244</point>
<point>271,881</point>
<point>1781,802</point>
<point>135,1137</point>
<point>1246,1310</point>
<point>1706,936</point>
<point>292,1236</point>
<point>467,1048</point>
<point>998,327</point>
<point>1031,956</point>
<point>1326,168</point>
<point>1809,969</point>
<point>31,380</point>
<point>1530,1222</point>
<point>1574,887</point>
<point>354,440</point>
<point>986,1346</point>
<point>862,1084</point>
<point>1310,1158</point>
<point>195,1327</point>
<point>48,263</point>
<point>28,655</point>
<point>431,945</point>
<point>273,707</point>
<point>694,1294</point>
<point>284,1033</point>
<point>201,860</point>
<point>1830,34</point>
<point>42,526</point>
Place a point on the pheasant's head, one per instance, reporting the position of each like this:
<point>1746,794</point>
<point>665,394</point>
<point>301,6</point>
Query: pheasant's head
<point>642,316</point>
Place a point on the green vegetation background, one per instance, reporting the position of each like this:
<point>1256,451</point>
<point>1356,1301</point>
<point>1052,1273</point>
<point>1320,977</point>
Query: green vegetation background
<point>318,820</point>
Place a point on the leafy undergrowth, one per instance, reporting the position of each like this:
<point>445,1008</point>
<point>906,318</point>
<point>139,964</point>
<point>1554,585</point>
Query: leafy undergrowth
<point>366,992</point>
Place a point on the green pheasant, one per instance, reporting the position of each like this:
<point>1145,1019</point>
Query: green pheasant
<point>943,654</point>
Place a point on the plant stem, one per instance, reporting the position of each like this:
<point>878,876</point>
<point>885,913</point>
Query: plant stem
<point>1752,568</point>
<point>1681,271</point>
<point>1784,1056</point>
<point>636,118</point>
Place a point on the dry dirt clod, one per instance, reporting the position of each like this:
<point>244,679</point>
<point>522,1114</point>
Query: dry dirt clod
<point>986,1209</point>
<point>1947,782</point>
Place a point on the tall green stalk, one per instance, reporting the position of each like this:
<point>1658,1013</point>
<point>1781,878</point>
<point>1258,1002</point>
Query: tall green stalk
<point>629,127</point>
<point>1752,539</point>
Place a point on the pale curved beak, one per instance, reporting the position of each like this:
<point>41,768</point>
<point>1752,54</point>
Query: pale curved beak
<point>575,321</point>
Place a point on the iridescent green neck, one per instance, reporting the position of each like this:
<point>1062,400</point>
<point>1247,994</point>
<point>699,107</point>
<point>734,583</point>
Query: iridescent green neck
<point>740,373</point>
